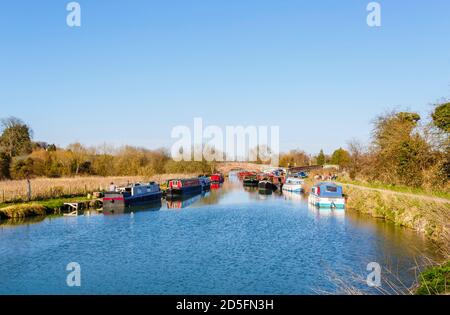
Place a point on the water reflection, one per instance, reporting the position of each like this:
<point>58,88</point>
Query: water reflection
<point>152,206</point>
<point>185,202</point>
<point>21,221</point>
<point>292,196</point>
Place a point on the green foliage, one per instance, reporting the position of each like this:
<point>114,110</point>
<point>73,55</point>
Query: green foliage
<point>5,161</point>
<point>16,137</point>
<point>441,117</point>
<point>320,159</point>
<point>435,280</point>
<point>400,154</point>
<point>340,157</point>
<point>22,168</point>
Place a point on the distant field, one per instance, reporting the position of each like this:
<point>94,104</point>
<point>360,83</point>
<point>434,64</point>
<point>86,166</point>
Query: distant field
<point>48,188</point>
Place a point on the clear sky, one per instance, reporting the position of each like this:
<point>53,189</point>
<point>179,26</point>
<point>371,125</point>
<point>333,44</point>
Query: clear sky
<point>135,69</point>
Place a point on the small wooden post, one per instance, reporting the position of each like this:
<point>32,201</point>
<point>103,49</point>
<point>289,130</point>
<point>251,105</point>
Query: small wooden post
<point>3,196</point>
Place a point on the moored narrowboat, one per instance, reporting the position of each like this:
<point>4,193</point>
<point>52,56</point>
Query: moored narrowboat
<point>327,195</point>
<point>205,182</point>
<point>266,186</point>
<point>217,178</point>
<point>250,181</point>
<point>131,195</point>
<point>183,187</point>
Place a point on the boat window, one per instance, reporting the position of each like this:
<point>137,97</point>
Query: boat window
<point>332,188</point>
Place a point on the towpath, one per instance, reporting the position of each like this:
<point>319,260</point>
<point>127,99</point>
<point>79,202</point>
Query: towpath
<point>387,191</point>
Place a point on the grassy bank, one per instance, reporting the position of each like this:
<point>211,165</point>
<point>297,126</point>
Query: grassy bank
<point>399,188</point>
<point>36,208</point>
<point>423,215</point>
<point>434,280</point>
<point>22,211</point>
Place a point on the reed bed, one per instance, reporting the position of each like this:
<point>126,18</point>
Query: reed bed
<point>50,188</point>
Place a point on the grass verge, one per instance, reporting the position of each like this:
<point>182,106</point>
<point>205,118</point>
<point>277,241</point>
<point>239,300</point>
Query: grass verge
<point>434,280</point>
<point>398,188</point>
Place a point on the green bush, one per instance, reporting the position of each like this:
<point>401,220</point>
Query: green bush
<point>435,280</point>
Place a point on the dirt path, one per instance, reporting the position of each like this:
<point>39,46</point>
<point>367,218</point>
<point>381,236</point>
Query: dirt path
<point>387,191</point>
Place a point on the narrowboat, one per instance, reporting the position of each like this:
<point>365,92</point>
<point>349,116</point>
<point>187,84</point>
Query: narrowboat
<point>205,182</point>
<point>266,185</point>
<point>131,195</point>
<point>183,187</point>
<point>293,184</point>
<point>250,181</point>
<point>217,178</point>
<point>327,195</point>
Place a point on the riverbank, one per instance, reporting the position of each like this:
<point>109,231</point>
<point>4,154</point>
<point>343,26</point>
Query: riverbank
<point>37,208</point>
<point>425,214</point>
<point>50,194</point>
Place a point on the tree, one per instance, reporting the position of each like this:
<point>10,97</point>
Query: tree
<point>320,159</point>
<point>78,156</point>
<point>360,159</point>
<point>400,153</point>
<point>22,168</point>
<point>294,158</point>
<point>441,117</point>
<point>16,137</point>
<point>5,162</point>
<point>340,157</point>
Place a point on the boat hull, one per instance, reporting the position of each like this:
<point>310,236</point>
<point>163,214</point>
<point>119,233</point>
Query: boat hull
<point>173,193</point>
<point>117,201</point>
<point>293,188</point>
<point>327,202</point>
<point>267,186</point>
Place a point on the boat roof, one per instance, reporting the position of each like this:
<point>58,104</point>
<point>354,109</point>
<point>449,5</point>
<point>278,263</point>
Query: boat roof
<point>328,189</point>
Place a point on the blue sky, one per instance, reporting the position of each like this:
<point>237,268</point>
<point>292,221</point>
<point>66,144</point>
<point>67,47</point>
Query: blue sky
<point>135,69</point>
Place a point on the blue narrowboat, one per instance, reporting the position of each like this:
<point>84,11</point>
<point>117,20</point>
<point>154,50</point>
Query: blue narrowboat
<point>205,182</point>
<point>327,195</point>
<point>131,195</point>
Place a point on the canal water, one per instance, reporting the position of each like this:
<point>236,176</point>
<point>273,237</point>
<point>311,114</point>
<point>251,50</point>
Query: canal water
<point>227,241</point>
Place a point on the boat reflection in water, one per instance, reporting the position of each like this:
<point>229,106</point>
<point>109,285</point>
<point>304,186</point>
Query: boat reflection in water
<point>294,196</point>
<point>185,201</point>
<point>154,205</point>
<point>326,212</point>
<point>215,186</point>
